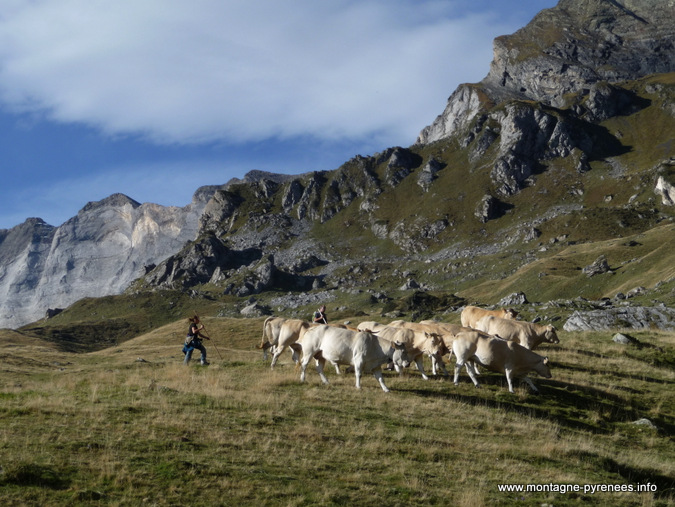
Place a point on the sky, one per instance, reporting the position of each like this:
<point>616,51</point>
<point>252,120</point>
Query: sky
<point>155,98</point>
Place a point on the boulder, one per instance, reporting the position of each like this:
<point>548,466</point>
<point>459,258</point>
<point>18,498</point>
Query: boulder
<point>517,298</point>
<point>638,317</point>
<point>666,191</point>
<point>623,339</point>
<point>599,267</point>
<point>255,310</point>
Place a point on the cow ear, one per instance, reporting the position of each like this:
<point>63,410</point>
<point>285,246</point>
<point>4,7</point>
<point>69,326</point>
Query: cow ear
<point>546,360</point>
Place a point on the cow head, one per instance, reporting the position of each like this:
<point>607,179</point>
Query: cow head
<point>550,335</point>
<point>510,313</point>
<point>542,368</point>
<point>400,357</point>
<point>434,345</point>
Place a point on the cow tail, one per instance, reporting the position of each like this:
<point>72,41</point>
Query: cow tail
<point>264,334</point>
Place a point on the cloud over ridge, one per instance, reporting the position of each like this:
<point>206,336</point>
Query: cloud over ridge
<point>242,70</point>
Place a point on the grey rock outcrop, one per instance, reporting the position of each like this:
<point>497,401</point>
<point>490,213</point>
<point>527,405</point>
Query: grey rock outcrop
<point>665,190</point>
<point>599,267</point>
<point>602,42</point>
<point>517,298</point>
<point>487,209</point>
<point>428,173</point>
<point>400,164</point>
<point>638,317</point>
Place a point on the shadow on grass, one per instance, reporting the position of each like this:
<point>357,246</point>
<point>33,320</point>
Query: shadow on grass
<point>632,475</point>
<point>43,476</point>
<point>573,406</point>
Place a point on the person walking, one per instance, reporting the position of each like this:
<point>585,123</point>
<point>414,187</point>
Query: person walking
<point>194,341</point>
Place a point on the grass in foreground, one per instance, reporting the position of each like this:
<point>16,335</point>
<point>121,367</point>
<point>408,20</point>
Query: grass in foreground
<point>106,428</point>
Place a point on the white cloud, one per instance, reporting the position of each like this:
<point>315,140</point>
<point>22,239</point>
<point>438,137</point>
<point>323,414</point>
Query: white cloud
<point>242,70</point>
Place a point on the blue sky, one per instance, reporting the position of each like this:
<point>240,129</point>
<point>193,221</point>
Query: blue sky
<point>155,98</point>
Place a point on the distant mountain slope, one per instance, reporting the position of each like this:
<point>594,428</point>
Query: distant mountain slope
<point>567,141</point>
<point>573,121</point>
<point>98,252</point>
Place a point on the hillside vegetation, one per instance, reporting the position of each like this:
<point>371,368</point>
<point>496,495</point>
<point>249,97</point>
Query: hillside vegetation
<point>543,170</point>
<point>131,425</point>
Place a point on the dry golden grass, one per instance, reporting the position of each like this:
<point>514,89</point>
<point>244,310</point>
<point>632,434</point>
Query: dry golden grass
<point>106,428</point>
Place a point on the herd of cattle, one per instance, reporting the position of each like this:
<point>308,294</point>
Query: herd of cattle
<point>492,339</point>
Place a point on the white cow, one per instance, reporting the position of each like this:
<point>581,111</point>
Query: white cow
<point>290,333</point>
<point>270,335</point>
<point>447,332</point>
<point>361,349</point>
<point>502,356</point>
<point>421,330</point>
<point>418,342</point>
<point>472,314</point>
<point>527,334</point>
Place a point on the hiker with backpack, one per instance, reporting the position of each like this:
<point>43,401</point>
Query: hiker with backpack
<point>194,341</point>
<point>320,315</point>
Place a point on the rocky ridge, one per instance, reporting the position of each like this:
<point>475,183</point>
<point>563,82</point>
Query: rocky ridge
<point>513,126</point>
<point>514,166</point>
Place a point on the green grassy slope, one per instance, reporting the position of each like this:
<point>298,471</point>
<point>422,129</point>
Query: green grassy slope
<point>105,428</point>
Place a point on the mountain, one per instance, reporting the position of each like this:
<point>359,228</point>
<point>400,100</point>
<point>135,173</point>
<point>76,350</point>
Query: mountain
<point>570,55</point>
<point>561,156</point>
<point>567,137</point>
<point>96,253</point>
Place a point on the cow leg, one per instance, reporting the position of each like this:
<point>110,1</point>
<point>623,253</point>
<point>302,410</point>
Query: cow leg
<point>377,373</point>
<point>303,366</point>
<point>509,378</point>
<point>434,367</point>
<point>458,368</point>
<point>277,352</point>
<point>419,361</point>
<point>296,348</point>
<point>469,369</point>
<point>437,365</point>
<point>531,384</point>
<point>320,363</point>
<point>357,374</point>
<point>472,373</point>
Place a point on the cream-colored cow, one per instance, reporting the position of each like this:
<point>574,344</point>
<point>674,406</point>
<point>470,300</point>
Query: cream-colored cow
<point>445,331</point>
<point>363,350</point>
<point>418,342</point>
<point>290,333</point>
<point>472,314</point>
<point>527,334</point>
<point>503,356</point>
<point>448,332</point>
<point>270,335</point>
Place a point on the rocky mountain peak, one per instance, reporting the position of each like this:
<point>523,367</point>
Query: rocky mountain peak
<point>565,50</point>
<point>113,201</point>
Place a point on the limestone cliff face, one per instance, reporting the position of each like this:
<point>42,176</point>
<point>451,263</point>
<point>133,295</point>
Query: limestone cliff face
<point>96,253</point>
<point>565,50</point>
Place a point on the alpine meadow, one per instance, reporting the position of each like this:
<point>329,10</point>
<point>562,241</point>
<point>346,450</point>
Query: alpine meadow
<point>546,189</point>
